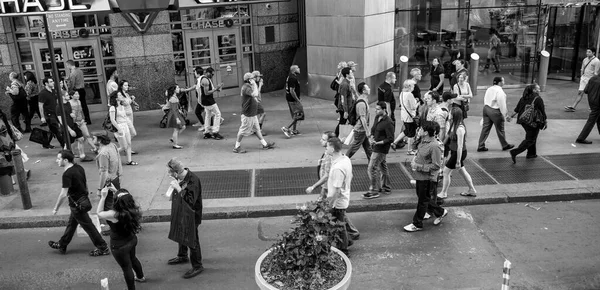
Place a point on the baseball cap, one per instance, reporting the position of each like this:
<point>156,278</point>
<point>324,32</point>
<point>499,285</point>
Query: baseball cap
<point>257,73</point>
<point>248,76</point>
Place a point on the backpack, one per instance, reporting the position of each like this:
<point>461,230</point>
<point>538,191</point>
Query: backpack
<point>352,116</point>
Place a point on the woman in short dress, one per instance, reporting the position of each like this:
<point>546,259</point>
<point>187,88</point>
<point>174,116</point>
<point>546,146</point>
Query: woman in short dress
<point>174,118</point>
<point>118,118</point>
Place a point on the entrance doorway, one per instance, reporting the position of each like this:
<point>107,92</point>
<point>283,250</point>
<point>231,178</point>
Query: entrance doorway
<point>86,54</point>
<point>221,50</point>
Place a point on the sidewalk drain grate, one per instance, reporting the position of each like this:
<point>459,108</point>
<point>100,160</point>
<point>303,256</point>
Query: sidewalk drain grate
<point>398,179</point>
<point>525,171</point>
<point>225,184</point>
<point>479,176</point>
<point>581,166</point>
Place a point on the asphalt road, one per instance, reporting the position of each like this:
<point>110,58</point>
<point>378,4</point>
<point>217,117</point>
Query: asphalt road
<point>555,247</point>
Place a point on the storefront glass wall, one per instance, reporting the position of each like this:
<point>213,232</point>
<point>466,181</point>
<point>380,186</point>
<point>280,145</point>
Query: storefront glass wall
<point>448,30</point>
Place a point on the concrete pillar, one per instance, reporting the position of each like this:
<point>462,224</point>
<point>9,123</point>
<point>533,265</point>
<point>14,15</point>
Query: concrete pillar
<point>543,73</point>
<point>403,71</point>
<point>348,30</point>
<point>474,72</point>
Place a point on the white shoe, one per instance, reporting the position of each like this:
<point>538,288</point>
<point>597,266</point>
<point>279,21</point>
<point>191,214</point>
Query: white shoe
<point>198,124</point>
<point>438,220</point>
<point>201,128</point>
<point>412,228</point>
<point>427,216</point>
<point>442,196</point>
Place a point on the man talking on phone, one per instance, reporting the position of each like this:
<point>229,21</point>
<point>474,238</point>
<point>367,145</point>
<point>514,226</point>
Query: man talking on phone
<point>210,106</point>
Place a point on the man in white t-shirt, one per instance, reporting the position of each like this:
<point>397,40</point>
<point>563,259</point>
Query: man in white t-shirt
<point>338,186</point>
<point>589,67</point>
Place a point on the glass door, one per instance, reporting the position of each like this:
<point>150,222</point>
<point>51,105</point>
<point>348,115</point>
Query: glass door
<point>42,56</point>
<point>86,55</point>
<point>199,53</point>
<point>561,42</point>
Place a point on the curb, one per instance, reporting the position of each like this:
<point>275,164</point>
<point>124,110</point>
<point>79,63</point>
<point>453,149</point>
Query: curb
<point>402,203</point>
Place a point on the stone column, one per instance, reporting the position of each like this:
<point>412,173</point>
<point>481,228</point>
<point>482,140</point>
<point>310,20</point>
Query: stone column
<point>348,30</point>
<point>144,60</point>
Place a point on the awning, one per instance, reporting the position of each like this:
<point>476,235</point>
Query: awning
<point>40,7</point>
<point>190,4</point>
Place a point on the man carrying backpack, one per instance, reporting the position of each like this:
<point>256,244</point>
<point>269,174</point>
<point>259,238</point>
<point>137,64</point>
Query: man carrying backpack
<point>359,118</point>
<point>16,91</point>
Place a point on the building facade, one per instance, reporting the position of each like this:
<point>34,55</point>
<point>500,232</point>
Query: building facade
<point>153,49</point>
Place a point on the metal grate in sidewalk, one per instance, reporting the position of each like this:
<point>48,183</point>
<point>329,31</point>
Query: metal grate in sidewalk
<point>284,181</point>
<point>525,171</point>
<point>581,166</point>
<point>225,184</point>
<point>361,182</point>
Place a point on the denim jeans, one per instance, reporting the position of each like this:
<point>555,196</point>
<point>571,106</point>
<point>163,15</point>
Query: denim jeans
<point>195,253</point>
<point>340,215</point>
<point>424,204</point>
<point>378,163</point>
<point>360,139</point>
<point>125,257</point>
<point>81,218</point>
<point>211,111</point>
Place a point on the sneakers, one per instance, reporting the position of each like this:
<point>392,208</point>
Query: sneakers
<point>206,136</point>
<point>371,195</point>
<point>239,150</point>
<point>57,246</point>
<point>217,136</point>
<point>270,145</point>
<point>508,147</point>
<point>411,152</point>
<point>438,220</point>
<point>442,195</point>
<point>198,124</point>
<point>385,191</point>
<point>412,228</point>
<point>286,132</point>
<point>569,109</point>
<point>100,252</point>
<point>427,216</point>
<point>141,280</point>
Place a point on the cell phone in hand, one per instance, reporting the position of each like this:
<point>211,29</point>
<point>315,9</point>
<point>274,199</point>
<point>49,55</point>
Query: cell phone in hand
<point>108,183</point>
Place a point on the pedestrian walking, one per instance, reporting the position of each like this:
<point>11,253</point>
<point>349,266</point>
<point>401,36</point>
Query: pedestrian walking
<point>494,113</point>
<point>211,109</point>
<point>463,92</point>
<point>531,96</point>
<point>129,103</point>
<point>335,85</point>
<point>426,163</point>
<point>75,82</point>
<point>437,76</point>
<point>118,118</point>
<point>493,51</point>
<point>16,92</point>
<point>460,67</point>
<point>589,67</point>
<point>338,187</point>
<point>382,136</point>
<point>258,84</point>
<point>292,95</point>
<point>47,105</point>
<point>408,114</point>
<point>198,73</point>
<point>74,115</point>
<point>437,112</point>
<point>32,90</point>
<point>124,221</point>
<point>249,115</point>
<point>186,201</point>
<point>74,188</point>
<point>112,85</point>
<point>323,168</point>
<point>174,118</point>
<point>385,94</point>
<point>455,142</point>
<point>361,123</point>
<point>346,101</point>
<point>7,145</point>
<point>593,91</point>
<point>416,75</point>
<point>110,169</point>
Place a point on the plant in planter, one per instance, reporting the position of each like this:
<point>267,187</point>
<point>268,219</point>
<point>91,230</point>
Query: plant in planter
<point>304,258</point>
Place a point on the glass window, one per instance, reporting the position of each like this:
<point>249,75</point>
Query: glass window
<point>25,51</point>
<point>107,47</point>
<point>87,20</point>
<point>244,11</point>
<point>211,13</point>
<point>246,34</point>
<point>247,63</point>
<point>110,62</point>
<point>174,16</point>
<point>36,22</point>
<point>177,40</point>
<point>103,18</point>
<point>20,23</point>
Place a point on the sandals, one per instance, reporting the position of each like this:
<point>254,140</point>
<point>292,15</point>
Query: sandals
<point>470,194</point>
<point>131,163</point>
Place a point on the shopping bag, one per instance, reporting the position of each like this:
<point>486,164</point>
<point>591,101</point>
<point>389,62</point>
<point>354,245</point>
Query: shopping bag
<point>345,131</point>
<point>40,136</point>
<point>95,219</point>
<point>349,139</point>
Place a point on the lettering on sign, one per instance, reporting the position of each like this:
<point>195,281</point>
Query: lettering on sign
<point>60,21</point>
<point>33,6</point>
<point>60,34</point>
<point>223,23</point>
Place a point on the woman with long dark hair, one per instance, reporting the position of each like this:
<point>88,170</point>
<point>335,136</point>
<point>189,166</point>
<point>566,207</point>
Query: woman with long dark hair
<point>456,141</point>
<point>124,222</point>
<point>32,90</point>
<point>531,95</point>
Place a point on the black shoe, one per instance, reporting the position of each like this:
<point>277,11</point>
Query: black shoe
<point>28,174</point>
<point>371,195</point>
<point>350,242</point>
<point>48,146</point>
<point>583,141</point>
<point>508,147</point>
<point>531,156</point>
<point>217,136</point>
<point>513,157</point>
<point>354,237</point>
<point>100,252</point>
<point>193,272</point>
<point>178,260</point>
<point>482,149</point>
<point>207,136</point>
<point>87,159</point>
<point>57,246</point>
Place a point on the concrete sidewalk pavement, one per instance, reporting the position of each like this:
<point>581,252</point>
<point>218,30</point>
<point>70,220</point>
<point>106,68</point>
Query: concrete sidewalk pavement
<point>148,181</point>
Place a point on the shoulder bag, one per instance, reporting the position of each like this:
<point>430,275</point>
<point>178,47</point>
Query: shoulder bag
<point>530,116</point>
<point>107,124</point>
<point>83,204</point>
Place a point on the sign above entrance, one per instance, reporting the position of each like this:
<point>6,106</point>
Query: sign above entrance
<point>39,7</point>
<point>208,3</point>
<point>59,21</point>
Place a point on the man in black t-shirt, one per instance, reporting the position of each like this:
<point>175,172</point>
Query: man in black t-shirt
<point>47,105</point>
<point>74,187</point>
<point>292,95</point>
<point>386,94</point>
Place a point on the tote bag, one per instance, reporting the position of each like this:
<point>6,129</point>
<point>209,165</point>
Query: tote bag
<point>183,223</point>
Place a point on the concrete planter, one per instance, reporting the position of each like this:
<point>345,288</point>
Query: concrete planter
<point>263,285</point>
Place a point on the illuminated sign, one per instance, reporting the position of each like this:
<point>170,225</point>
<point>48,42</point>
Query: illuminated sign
<point>17,7</point>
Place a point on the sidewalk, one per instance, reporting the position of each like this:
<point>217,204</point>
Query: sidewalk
<point>294,161</point>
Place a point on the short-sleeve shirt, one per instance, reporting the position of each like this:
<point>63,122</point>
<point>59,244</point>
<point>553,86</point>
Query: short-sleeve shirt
<point>75,80</point>
<point>249,103</point>
<point>292,84</point>
<point>109,160</point>
<point>362,110</point>
<point>385,94</point>
<point>111,86</point>
<point>74,179</point>
<point>590,67</point>
<point>340,176</point>
<point>49,100</point>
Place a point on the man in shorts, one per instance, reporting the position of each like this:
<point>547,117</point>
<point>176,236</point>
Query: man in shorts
<point>249,116</point>
<point>589,67</point>
<point>292,95</point>
<point>258,81</point>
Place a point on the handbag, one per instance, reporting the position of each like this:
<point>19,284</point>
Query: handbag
<point>529,116</point>
<point>183,222</point>
<point>83,204</point>
<point>40,136</point>
<point>350,138</point>
<point>107,124</point>
<point>334,84</point>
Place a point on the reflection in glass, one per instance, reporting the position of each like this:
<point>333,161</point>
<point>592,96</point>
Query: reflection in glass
<point>20,22</point>
<point>229,74</point>
<point>177,40</point>
<point>201,54</point>
<point>200,43</point>
<point>226,40</point>
<point>246,35</point>
<point>36,22</point>
<point>82,52</point>
<point>201,62</point>
<point>86,20</point>
<point>107,47</point>
<point>179,67</point>
<point>45,55</point>
<point>174,16</point>
<point>25,51</point>
<point>110,62</point>
<point>247,63</point>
